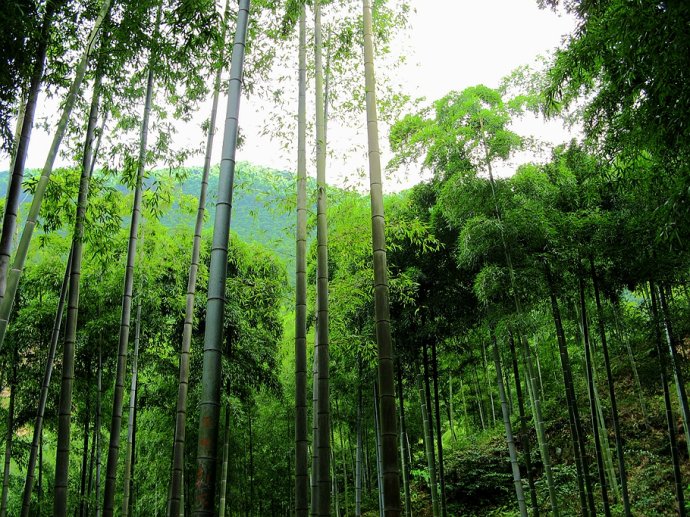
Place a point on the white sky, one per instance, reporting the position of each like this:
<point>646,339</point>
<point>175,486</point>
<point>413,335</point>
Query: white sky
<point>451,44</point>
<point>454,44</point>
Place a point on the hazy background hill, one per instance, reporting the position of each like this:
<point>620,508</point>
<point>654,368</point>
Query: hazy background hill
<point>263,205</point>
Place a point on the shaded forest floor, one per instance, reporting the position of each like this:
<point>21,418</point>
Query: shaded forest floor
<point>479,480</point>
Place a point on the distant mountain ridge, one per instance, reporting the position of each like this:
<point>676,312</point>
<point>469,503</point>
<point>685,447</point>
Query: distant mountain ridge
<point>263,205</point>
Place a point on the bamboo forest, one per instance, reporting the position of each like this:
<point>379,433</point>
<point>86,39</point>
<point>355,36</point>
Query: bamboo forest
<point>473,302</point>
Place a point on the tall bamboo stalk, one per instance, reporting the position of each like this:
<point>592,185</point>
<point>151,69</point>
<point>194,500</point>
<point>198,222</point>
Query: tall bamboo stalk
<point>129,453</point>
<point>488,384</point>
<point>633,365</point>
<point>524,437</point>
<point>85,449</point>
<point>323,410</point>
<point>358,468</point>
<point>118,394</point>
<point>592,398</point>
<point>377,430</point>
<point>176,488</point>
<point>678,376</point>
<point>98,429</point>
<point>389,433</point>
<point>86,508</point>
<point>670,419</point>
<point>301,442</point>
<point>535,401</point>
<point>43,397</point>
<point>605,446</point>
<point>403,444</point>
<point>342,455</point>
<point>224,471</point>
<point>612,393</point>
<point>315,426</point>
<point>517,481</point>
<point>583,479</point>
<point>68,351</point>
<point>8,436</point>
<point>429,448</point>
<point>439,435</point>
<point>211,376</point>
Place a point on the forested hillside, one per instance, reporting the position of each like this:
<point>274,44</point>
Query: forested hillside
<point>262,209</point>
<point>509,336</point>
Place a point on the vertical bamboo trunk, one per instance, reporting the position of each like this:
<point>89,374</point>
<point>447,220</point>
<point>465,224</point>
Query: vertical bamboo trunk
<point>97,145</point>
<point>334,474</point>
<point>517,481</point>
<point>612,393</point>
<point>68,351</point>
<point>465,423</point>
<point>21,112</point>
<point>379,468</point>
<point>509,394</point>
<point>323,414</point>
<point>539,424</point>
<point>15,272</point>
<point>85,451</point>
<point>439,435</point>
<point>592,398</point>
<point>176,489</point>
<point>8,437</point>
<point>25,124</point>
<point>183,498</point>
<point>133,493</point>
<point>675,366</point>
<point>205,478</point>
<point>429,449</point>
<point>343,456</point>
<point>524,436</point>
<point>43,397</point>
<point>118,394</point>
<point>40,477</point>
<point>403,445</point>
<point>358,469</point>
<point>315,425</point>
<point>633,365</point>
<point>251,465</point>
<point>429,409</point>
<point>290,478</point>
<point>389,436</point>
<point>87,506</point>
<point>670,420</point>
<point>129,454</point>
<point>584,483</point>
<point>480,404</point>
<point>541,380</point>
<point>224,472</point>
<point>352,451</point>
<point>488,384</point>
<point>605,446</point>
<point>301,442</point>
<point>98,431</point>
<point>451,414</point>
